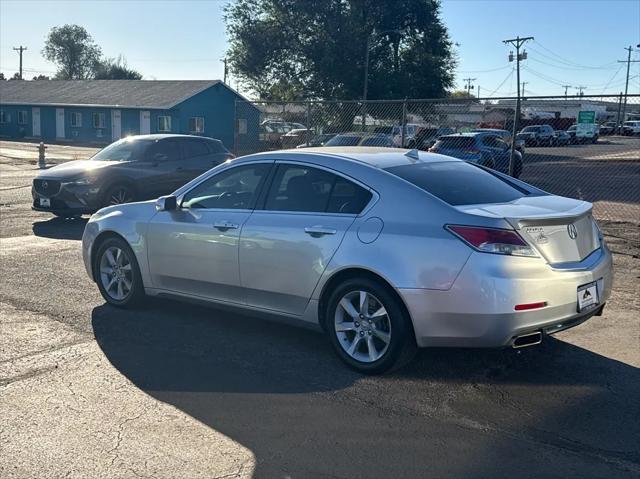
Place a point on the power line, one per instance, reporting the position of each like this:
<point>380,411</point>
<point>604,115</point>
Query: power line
<point>503,82</point>
<point>562,60</point>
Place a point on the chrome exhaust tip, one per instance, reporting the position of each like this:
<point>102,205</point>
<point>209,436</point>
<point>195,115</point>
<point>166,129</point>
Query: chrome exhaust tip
<point>525,340</point>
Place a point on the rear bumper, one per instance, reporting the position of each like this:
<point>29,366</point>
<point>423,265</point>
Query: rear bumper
<point>479,309</point>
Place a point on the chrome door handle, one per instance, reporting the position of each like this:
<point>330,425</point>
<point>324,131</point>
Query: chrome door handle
<point>317,231</point>
<point>225,225</point>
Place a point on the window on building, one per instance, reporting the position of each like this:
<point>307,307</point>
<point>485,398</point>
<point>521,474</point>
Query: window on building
<point>196,124</point>
<point>98,120</point>
<point>22,117</point>
<point>76,119</point>
<point>5,117</point>
<point>242,126</point>
<point>164,123</point>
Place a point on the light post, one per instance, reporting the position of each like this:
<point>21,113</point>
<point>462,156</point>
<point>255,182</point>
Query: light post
<point>366,72</point>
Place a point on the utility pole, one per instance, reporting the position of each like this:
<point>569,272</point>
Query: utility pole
<point>469,86</point>
<point>628,61</point>
<point>226,70</point>
<point>523,84</point>
<point>478,90</point>
<point>581,90</point>
<point>516,42</point>
<point>566,87</point>
<point>21,49</point>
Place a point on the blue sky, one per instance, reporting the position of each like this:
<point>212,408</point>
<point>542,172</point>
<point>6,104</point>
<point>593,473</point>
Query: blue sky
<point>577,42</point>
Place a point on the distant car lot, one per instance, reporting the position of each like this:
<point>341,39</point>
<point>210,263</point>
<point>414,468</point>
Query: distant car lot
<point>188,391</point>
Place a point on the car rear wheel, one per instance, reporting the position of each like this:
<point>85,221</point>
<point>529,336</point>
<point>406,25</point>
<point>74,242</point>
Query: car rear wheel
<point>117,273</point>
<point>368,327</point>
<point>119,194</point>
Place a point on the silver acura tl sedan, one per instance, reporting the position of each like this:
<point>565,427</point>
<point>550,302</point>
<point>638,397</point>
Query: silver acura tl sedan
<point>386,250</point>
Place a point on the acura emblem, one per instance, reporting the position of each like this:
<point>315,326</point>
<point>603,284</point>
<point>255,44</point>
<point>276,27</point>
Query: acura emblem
<point>573,232</point>
<point>45,185</point>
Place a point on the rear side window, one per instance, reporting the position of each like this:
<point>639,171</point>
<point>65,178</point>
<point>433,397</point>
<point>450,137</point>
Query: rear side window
<point>193,148</point>
<point>456,142</point>
<point>216,146</point>
<point>305,189</point>
<point>458,183</point>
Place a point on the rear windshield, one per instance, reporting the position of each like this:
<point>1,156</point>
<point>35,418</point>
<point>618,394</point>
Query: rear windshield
<point>456,142</point>
<point>458,183</point>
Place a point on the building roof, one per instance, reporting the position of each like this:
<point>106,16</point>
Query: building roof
<point>153,94</point>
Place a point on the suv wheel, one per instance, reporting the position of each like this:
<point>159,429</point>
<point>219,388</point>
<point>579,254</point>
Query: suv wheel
<point>119,194</point>
<point>368,328</point>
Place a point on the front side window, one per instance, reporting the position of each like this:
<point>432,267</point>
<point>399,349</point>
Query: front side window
<point>196,124</point>
<point>98,120</point>
<point>22,117</point>
<point>5,117</point>
<point>235,188</point>
<point>76,119</point>
<point>164,123</point>
<point>305,189</point>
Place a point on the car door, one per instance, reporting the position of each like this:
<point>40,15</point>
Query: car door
<point>165,156</point>
<point>194,249</point>
<point>290,238</point>
<point>499,150</point>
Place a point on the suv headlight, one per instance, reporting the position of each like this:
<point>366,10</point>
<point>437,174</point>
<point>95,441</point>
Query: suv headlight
<point>78,182</point>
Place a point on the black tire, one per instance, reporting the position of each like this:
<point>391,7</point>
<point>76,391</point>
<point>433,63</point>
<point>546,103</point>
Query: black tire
<point>118,194</point>
<point>402,344</point>
<point>136,292</point>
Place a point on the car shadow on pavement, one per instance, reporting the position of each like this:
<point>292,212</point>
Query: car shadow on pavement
<point>281,392</point>
<point>60,228</point>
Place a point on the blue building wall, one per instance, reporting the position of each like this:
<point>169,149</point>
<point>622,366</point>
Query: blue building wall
<point>216,104</point>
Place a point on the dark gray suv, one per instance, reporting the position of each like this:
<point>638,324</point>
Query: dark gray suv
<point>131,169</point>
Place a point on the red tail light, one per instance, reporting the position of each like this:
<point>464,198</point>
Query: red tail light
<point>525,307</point>
<point>491,240</point>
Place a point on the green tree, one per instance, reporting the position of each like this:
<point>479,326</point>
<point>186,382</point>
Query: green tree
<point>461,94</point>
<point>41,77</point>
<point>294,48</point>
<point>73,50</point>
<point>115,69</point>
<point>16,76</point>
<point>2,76</point>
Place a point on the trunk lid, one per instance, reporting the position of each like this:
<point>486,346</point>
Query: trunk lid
<point>561,229</point>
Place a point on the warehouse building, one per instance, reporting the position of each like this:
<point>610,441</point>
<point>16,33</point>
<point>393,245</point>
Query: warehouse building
<point>102,111</point>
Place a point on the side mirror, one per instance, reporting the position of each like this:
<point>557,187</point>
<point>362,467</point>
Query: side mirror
<point>167,203</point>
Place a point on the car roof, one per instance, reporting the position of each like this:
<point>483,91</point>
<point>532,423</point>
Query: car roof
<point>471,134</point>
<point>378,157</point>
<point>162,136</point>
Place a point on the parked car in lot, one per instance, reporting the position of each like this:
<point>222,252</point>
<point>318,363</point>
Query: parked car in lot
<point>485,149</point>
<point>631,127</point>
<point>608,128</point>
<point>505,135</point>
<point>561,138</point>
<point>427,137</point>
<point>536,135</point>
<point>338,238</point>
<point>271,131</point>
<point>131,169</point>
<point>296,137</point>
<point>587,137</point>
<point>317,140</point>
<point>361,139</point>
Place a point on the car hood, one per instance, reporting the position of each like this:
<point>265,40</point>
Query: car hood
<point>76,168</point>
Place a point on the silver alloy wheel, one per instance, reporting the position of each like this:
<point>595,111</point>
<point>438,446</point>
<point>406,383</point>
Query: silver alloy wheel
<point>120,196</point>
<point>116,273</point>
<point>362,326</point>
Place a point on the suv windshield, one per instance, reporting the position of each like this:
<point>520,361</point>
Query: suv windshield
<point>123,150</point>
<point>531,129</point>
<point>458,182</point>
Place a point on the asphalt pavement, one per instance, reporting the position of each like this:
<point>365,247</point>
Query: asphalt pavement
<point>175,390</point>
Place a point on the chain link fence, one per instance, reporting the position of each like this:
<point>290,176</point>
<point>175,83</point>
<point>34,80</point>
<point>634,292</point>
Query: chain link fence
<point>598,162</point>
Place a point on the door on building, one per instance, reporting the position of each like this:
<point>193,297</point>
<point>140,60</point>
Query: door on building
<point>59,122</point>
<point>35,122</point>
<point>116,125</point>
<point>145,122</point>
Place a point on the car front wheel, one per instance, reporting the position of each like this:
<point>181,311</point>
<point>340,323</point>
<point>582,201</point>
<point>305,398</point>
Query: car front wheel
<point>368,327</point>
<point>117,273</point>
